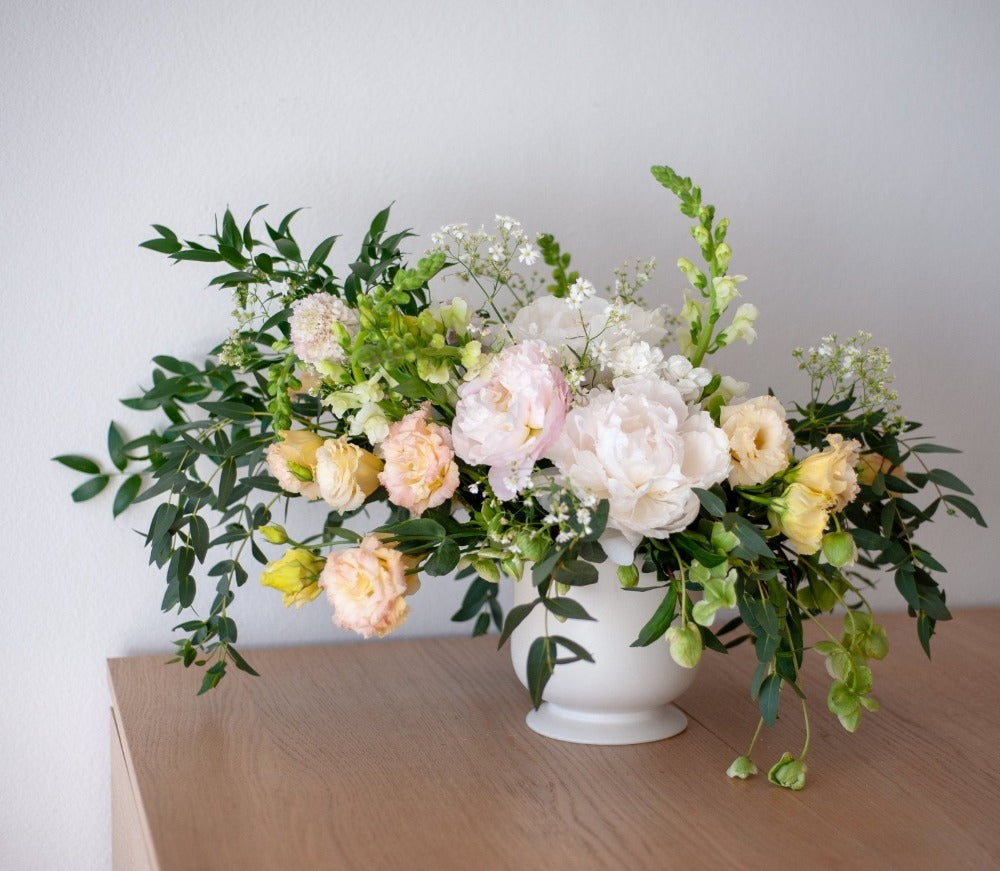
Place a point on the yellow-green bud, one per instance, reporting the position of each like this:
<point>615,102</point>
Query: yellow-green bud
<point>839,549</point>
<point>692,273</point>
<point>303,473</point>
<point>274,534</point>
<point>628,576</point>
<point>685,645</point>
<point>722,254</point>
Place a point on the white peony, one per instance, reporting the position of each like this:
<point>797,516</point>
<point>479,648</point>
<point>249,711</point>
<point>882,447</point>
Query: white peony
<point>641,448</point>
<point>624,337</point>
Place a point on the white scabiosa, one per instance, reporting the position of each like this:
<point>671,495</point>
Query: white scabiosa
<point>321,324</point>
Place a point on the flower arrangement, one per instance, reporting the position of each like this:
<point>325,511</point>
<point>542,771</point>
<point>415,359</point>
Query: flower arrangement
<point>529,432</point>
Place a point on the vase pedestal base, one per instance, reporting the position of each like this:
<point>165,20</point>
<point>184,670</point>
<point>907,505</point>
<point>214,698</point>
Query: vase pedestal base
<point>602,727</point>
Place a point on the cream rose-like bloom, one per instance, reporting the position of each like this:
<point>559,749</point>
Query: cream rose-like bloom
<point>641,448</point>
<point>367,586</point>
<point>319,325</point>
<point>346,474</point>
<point>832,472</point>
<point>760,441</point>
<point>420,470</point>
<point>509,415</point>
<point>293,462</point>
<point>801,515</point>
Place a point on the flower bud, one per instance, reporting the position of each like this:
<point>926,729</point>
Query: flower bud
<point>722,254</point>
<point>274,533</point>
<point>839,549</point>
<point>742,767</point>
<point>685,645</point>
<point>788,772</point>
<point>692,273</point>
<point>628,576</point>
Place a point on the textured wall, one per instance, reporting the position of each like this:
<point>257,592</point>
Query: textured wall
<point>853,145</point>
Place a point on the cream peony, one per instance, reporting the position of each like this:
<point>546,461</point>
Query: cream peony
<point>760,441</point>
<point>367,586</point>
<point>346,474</point>
<point>639,447</point>
<point>831,472</point>
<point>510,414</point>
<point>293,462</point>
<point>420,470</point>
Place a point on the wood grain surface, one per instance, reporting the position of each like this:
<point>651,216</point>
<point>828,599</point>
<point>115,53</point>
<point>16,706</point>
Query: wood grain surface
<point>414,754</point>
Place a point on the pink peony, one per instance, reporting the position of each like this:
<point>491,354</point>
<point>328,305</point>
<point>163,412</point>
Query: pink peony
<point>509,415</point>
<point>420,470</point>
<point>639,447</point>
<point>367,586</point>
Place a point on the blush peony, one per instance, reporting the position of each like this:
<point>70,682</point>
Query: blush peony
<point>367,586</point>
<point>510,414</point>
<point>420,470</point>
<point>639,447</point>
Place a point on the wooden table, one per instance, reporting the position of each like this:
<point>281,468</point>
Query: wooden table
<point>414,755</point>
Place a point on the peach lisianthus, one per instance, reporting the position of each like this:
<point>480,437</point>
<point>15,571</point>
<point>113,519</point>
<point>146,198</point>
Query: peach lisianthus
<point>831,472</point>
<point>801,514</point>
<point>759,439</point>
<point>346,474</point>
<point>367,587</point>
<point>871,463</point>
<point>420,470</point>
<point>292,460</point>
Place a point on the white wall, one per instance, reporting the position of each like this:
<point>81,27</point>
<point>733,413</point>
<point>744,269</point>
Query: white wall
<point>854,146</point>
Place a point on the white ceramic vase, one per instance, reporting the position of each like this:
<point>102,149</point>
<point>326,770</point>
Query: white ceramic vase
<point>625,695</point>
